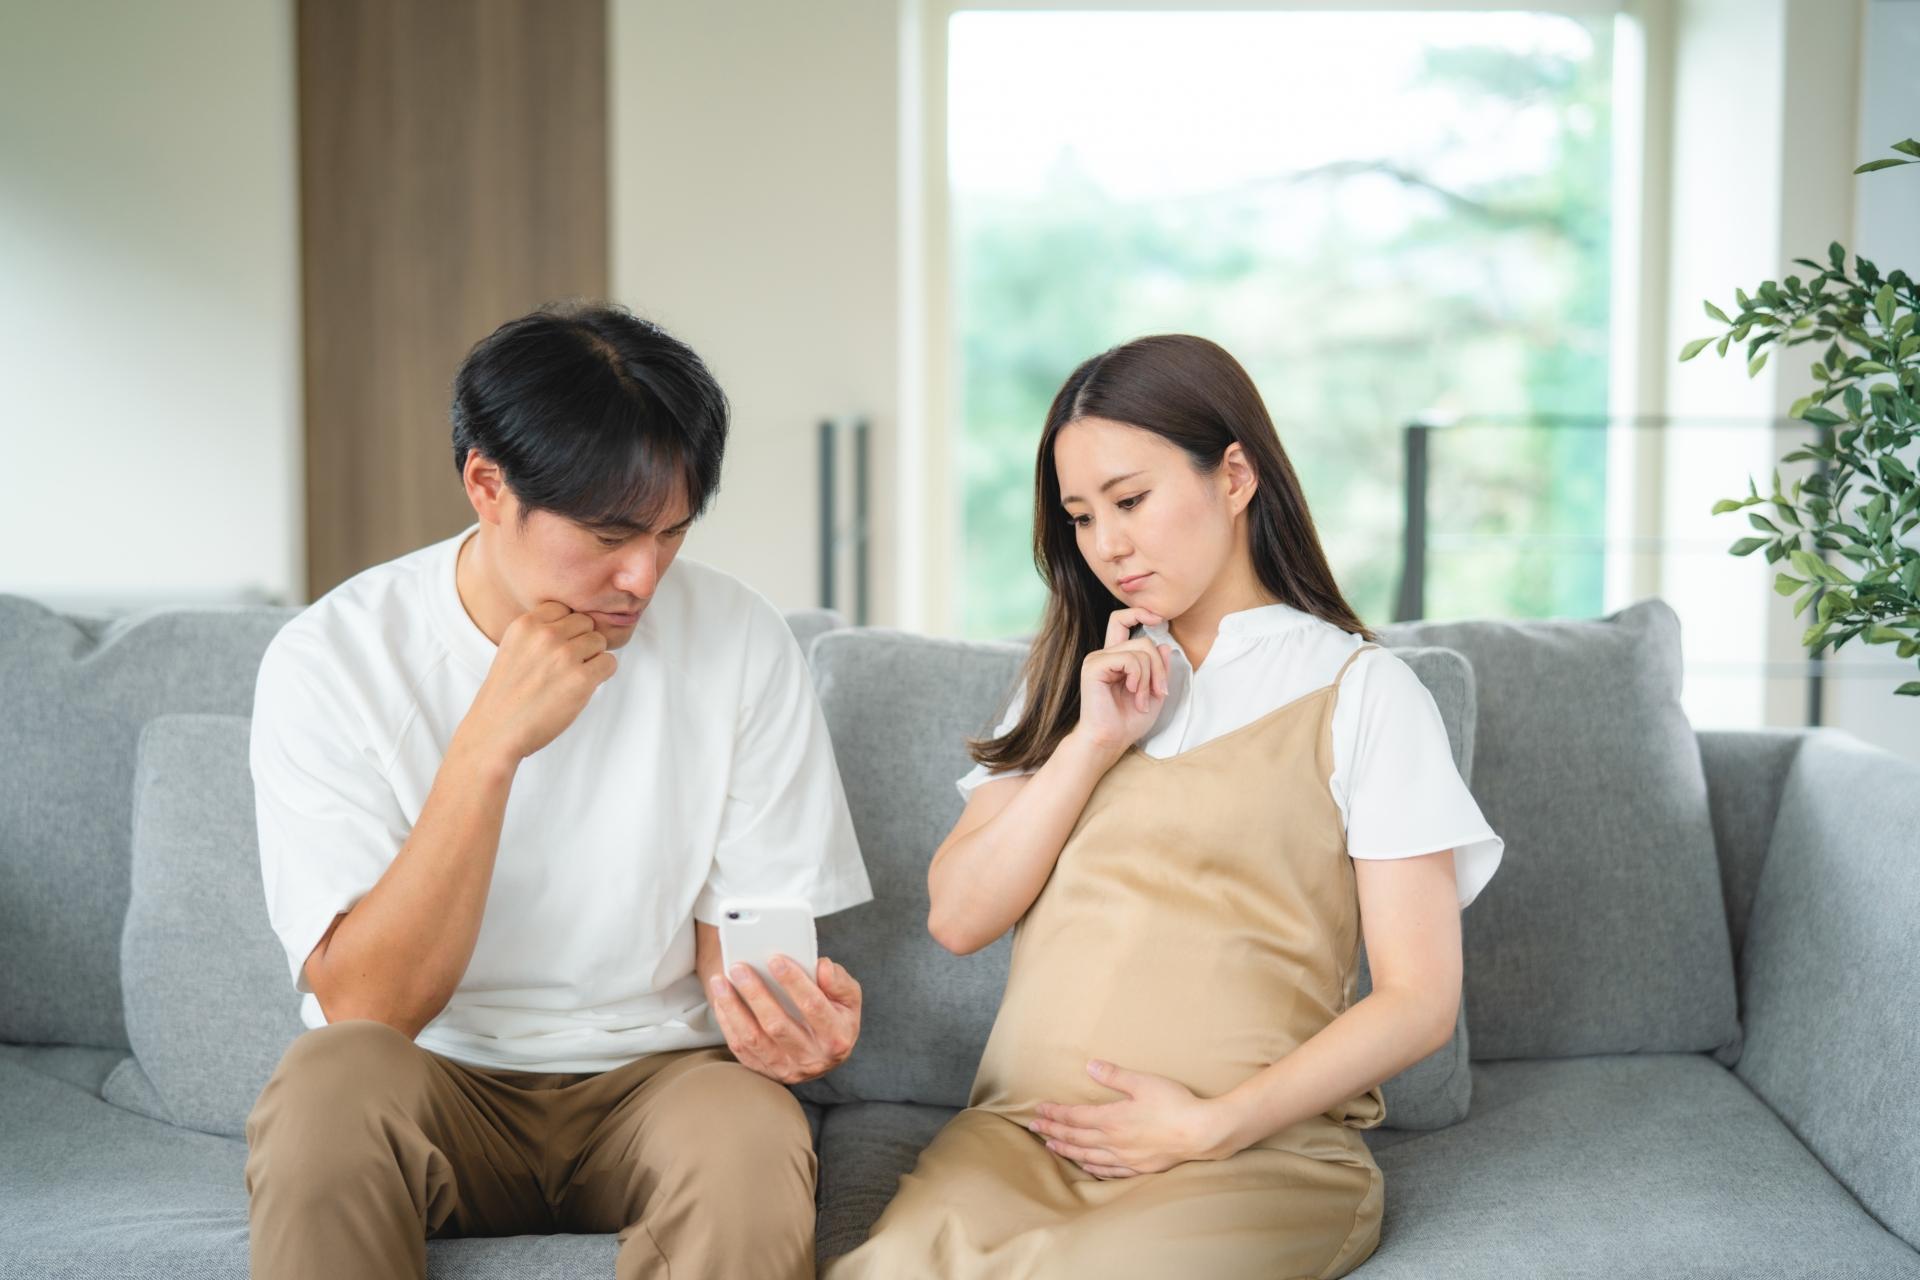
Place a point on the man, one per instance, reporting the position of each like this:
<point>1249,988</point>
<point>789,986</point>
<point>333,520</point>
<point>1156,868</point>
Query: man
<point>504,784</point>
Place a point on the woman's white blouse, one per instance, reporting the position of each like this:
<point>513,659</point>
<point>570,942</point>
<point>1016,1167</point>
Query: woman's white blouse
<point>1393,779</point>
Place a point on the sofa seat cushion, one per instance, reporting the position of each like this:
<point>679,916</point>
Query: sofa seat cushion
<point>900,708</point>
<point>1605,930</point>
<point>1645,1165</point>
<point>87,1189</point>
<point>1657,1165</point>
<point>87,1068</point>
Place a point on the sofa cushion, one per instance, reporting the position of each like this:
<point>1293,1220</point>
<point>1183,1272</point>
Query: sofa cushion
<point>1831,967</point>
<point>76,694</point>
<point>1605,930</point>
<point>900,708</point>
<point>209,1009</point>
<point>1651,1165</point>
<point>87,1189</point>
<point>1631,1165</point>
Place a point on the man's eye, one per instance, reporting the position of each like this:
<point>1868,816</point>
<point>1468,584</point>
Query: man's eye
<point>605,541</point>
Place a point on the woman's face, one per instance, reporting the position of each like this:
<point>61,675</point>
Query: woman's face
<point>1157,532</point>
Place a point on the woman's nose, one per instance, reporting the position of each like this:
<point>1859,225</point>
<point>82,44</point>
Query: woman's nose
<point>1108,543</point>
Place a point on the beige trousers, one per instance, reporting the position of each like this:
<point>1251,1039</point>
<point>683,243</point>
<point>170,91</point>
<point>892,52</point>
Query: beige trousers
<point>363,1145</point>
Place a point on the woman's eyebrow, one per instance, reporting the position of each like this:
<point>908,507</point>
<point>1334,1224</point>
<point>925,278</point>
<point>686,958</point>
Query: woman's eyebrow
<point>1103,488</point>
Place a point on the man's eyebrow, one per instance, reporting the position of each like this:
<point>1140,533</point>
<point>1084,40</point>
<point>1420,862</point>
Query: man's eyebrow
<point>1070,497</point>
<point>630,526</point>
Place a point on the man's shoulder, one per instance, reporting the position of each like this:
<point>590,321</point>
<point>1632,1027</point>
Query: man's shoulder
<point>376,621</point>
<point>707,609</point>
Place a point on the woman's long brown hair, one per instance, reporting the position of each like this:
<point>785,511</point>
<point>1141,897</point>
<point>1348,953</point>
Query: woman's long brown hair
<point>1191,393</point>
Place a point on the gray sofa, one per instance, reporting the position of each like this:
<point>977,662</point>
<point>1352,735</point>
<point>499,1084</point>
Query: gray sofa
<point>1690,1043</point>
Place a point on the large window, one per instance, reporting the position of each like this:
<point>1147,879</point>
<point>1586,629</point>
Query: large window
<point>1382,215</point>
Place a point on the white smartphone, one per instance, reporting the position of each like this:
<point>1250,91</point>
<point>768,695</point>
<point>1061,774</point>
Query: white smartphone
<point>755,930</point>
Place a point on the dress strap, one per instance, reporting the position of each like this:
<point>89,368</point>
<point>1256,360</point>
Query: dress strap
<point>1342,673</point>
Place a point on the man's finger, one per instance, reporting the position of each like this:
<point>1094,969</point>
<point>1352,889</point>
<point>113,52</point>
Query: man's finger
<point>768,1011</point>
<point>840,986</point>
<point>737,1022</point>
<point>811,1000</point>
<point>1108,1171</point>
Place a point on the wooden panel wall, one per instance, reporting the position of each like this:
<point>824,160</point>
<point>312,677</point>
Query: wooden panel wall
<point>453,174</point>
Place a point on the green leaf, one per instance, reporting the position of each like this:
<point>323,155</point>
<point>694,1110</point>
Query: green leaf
<point>1837,256</point>
<point>1694,348</point>
<point>1725,505</point>
<point>1755,365</point>
<point>1908,145</point>
<point>1877,634</point>
<point>1813,634</point>
<point>1761,523</point>
<point>1807,563</point>
<point>1908,345</point>
<point>1823,417</point>
<point>1721,349</point>
<point>1747,546</point>
<point>1786,584</point>
<point>1716,313</point>
<point>1911,688</point>
<point>1883,305</point>
<point>1871,165</point>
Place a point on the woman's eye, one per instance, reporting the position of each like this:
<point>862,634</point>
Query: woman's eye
<point>1079,522</point>
<point>1128,504</point>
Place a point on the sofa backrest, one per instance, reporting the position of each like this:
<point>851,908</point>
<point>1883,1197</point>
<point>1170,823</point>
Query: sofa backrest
<point>74,695</point>
<point>1605,928</point>
<point>1831,967</point>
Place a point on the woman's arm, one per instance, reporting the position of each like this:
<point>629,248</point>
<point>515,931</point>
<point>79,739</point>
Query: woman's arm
<point>1410,916</point>
<point>997,858</point>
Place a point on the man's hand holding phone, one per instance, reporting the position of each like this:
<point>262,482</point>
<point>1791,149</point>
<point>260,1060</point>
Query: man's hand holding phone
<point>767,1039</point>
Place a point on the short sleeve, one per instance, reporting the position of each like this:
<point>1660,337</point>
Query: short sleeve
<point>328,820</point>
<point>1394,776</point>
<point>785,830</point>
<point>970,780</point>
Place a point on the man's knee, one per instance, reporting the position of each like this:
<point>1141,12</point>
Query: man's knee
<point>738,1126</point>
<point>340,1070</point>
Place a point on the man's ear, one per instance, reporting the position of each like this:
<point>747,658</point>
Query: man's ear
<point>486,486</point>
<point>1242,481</point>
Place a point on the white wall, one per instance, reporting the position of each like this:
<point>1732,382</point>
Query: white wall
<point>149,314</point>
<point>755,180</point>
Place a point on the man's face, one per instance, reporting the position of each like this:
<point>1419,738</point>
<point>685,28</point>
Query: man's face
<point>608,572</point>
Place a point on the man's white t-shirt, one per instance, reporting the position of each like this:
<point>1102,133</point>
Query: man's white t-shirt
<point>1393,778</point>
<point>699,771</point>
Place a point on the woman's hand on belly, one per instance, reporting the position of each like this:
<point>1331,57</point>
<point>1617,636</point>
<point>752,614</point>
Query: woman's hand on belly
<point>1158,1124</point>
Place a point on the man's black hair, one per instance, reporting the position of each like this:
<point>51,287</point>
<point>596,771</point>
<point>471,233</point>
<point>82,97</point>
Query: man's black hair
<point>593,414</point>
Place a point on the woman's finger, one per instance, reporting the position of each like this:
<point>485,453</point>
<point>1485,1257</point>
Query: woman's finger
<point>1068,1133</point>
<point>1122,621</point>
<point>1109,1171</point>
<point>1084,1155</point>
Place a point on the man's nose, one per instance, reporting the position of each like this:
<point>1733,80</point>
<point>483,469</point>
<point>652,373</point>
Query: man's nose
<point>639,570</point>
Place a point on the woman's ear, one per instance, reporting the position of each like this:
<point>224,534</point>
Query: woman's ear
<point>1242,482</point>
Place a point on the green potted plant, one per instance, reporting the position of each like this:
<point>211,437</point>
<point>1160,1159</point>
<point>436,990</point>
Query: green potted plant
<point>1862,505</point>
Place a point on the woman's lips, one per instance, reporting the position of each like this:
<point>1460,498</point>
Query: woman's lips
<point>1134,582</point>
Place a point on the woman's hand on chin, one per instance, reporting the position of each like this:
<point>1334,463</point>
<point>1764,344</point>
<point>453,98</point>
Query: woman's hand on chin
<point>1158,1124</point>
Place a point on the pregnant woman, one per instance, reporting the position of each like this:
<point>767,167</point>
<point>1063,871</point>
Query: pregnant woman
<point>1209,788</point>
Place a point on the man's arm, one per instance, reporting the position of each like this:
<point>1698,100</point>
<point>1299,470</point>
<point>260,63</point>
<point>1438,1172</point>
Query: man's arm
<point>398,955</point>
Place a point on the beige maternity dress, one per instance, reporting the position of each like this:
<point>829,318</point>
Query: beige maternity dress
<point>1201,923</point>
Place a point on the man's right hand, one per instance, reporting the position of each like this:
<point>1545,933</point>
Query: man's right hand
<point>550,661</point>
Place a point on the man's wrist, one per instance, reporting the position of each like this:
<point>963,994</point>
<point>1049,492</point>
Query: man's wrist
<point>475,757</point>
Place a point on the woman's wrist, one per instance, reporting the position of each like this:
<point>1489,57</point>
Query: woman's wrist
<point>1232,1125</point>
<point>1092,748</point>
